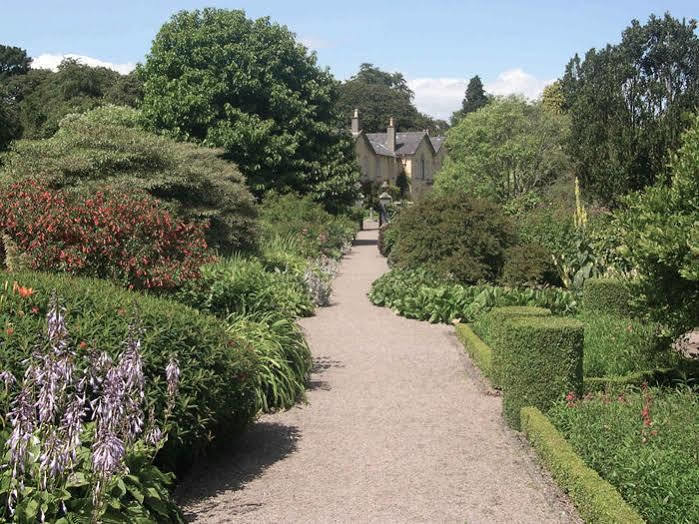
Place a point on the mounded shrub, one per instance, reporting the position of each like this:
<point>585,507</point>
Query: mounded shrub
<point>541,363</point>
<point>240,286</point>
<point>107,146</point>
<point>528,265</point>
<point>217,384</point>
<point>387,239</point>
<point>595,499</point>
<point>606,295</point>
<point>491,325</point>
<point>128,239</point>
<point>456,236</point>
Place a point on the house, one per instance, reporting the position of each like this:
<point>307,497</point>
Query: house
<point>384,156</point>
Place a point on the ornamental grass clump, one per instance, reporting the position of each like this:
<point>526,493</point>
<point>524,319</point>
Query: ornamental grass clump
<point>78,444</point>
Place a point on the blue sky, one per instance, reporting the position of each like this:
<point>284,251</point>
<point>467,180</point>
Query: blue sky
<point>515,46</point>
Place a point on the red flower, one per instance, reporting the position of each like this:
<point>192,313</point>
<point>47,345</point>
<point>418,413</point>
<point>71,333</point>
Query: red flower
<point>10,330</point>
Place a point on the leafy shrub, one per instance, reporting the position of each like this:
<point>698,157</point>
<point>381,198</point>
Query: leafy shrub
<point>422,295</point>
<point>58,464</point>
<point>644,443</point>
<point>607,296</point>
<point>528,264</point>
<point>107,146</point>
<point>454,236</point>
<point>315,230</point>
<point>659,235</point>
<point>130,240</point>
<point>491,326</point>
<point>387,239</point>
<point>217,389</point>
<point>285,359</point>
<point>596,500</point>
<point>541,362</point>
<point>242,285</point>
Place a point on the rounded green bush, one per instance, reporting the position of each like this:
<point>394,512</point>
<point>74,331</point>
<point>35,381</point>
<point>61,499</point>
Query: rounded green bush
<point>217,390</point>
<point>528,264</point>
<point>457,236</point>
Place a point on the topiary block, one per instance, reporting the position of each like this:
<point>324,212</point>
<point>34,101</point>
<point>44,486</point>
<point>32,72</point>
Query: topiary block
<point>542,359</point>
<point>606,295</point>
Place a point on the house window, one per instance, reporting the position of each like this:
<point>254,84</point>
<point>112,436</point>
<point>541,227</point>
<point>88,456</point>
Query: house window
<point>377,168</point>
<point>422,167</point>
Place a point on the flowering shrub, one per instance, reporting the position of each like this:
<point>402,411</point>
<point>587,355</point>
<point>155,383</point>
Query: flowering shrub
<point>124,238</point>
<point>71,430</point>
<point>216,397</point>
<point>644,443</point>
<point>318,277</point>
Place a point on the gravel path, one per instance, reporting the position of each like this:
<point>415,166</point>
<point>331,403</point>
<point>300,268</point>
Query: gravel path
<point>398,428</point>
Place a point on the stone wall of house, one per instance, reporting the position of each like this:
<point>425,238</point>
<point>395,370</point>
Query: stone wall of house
<point>373,167</point>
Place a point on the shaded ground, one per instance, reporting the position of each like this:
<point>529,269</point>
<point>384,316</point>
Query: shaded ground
<point>398,428</point>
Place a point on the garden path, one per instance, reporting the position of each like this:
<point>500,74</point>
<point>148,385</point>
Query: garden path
<point>398,428</point>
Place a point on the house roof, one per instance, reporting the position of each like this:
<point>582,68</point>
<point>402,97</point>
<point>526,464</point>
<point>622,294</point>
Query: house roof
<point>406,143</point>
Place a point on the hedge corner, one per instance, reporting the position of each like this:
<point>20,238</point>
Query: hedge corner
<point>542,360</point>
<point>596,499</point>
<point>478,350</point>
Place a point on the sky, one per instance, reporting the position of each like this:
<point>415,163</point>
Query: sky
<point>514,46</point>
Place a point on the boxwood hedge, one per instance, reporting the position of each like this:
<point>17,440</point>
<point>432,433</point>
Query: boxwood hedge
<point>217,394</point>
<point>606,295</point>
<point>541,362</point>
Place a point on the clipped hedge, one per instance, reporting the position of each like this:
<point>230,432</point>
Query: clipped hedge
<point>217,389</point>
<point>684,371</point>
<point>478,350</point>
<point>541,362</point>
<point>606,295</point>
<point>489,327</point>
<point>596,500</point>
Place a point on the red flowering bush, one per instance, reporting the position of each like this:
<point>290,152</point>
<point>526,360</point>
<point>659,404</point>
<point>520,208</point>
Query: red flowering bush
<point>121,237</point>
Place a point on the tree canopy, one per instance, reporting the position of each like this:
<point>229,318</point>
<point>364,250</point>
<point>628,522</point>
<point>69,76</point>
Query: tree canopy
<point>505,149</point>
<point>13,61</point>
<point>629,104</point>
<point>380,96</point>
<point>216,77</point>
<point>474,99</point>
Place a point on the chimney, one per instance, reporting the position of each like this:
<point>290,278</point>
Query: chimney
<point>355,123</point>
<point>391,136</point>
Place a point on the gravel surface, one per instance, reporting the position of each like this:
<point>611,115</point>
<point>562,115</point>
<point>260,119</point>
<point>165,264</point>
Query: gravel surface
<point>398,428</point>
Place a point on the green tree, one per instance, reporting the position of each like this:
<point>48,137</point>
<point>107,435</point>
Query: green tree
<point>217,77</point>
<point>658,230</point>
<point>629,104</point>
<point>474,99</point>
<point>553,98</point>
<point>13,61</point>
<point>504,150</point>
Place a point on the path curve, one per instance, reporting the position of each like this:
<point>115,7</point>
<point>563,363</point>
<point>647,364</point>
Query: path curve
<point>394,430</point>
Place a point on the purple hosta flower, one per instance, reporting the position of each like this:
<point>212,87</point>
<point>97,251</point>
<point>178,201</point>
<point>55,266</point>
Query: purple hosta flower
<point>72,425</point>
<point>8,379</point>
<point>131,371</point>
<point>100,363</point>
<point>172,374</point>
<point>154,436</point>
<point>22,417</point>
<point>57,331</point>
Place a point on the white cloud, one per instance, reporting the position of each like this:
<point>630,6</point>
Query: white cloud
<point>440,97</point>
<point>517,81</point>
<point>50,61</point>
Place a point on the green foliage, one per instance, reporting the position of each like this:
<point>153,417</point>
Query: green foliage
<point>106,146</point>
<point>528,265</point>
<point>263,99</point>
<point>241,286</point>
<point>478,350</point>
<point>542,360</point>
<point>629,104</point>
<point>643,443</point>
<point>454,236</point>
<point>505,149</point>
<point>474,99</point>
<point>43,97</point>
<point>596,500</point>
<point>314,230</point>
<point>217,390</point>
<point>658,233</point>
<point>492,325</point>
<point>387,239</point>
<point>424,296</point>
<point>285,359</point>
<point>13,61</point>
<point>607,295</point>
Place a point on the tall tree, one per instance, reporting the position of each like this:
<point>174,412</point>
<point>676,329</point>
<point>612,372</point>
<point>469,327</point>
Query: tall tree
<point>217,77</point>
<point>474,99</point>
<point>629,104</point>
<point>13,61</point>
<point>505,149</point>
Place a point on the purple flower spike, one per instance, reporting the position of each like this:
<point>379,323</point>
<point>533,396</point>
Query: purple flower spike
<point>172,374</point>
